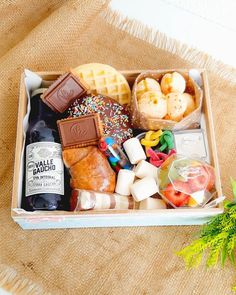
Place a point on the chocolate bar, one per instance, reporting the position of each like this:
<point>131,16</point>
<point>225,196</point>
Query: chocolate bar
<point>60,95</point>
<point>80,132</point>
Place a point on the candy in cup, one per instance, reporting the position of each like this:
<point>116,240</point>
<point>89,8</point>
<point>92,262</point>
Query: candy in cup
<point>114,153</point>
<point>186,182</point>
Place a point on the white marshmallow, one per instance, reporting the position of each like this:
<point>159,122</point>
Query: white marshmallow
<point>125,179</point>
<point>143,188</point>
<point>144,169</point>
<point>152,203</point>
<point>134,150</point>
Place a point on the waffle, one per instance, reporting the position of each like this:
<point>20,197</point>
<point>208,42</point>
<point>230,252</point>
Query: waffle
<point>103,79</point>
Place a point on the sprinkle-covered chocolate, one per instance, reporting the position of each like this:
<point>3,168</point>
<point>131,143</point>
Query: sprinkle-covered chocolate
<point>114,117</point>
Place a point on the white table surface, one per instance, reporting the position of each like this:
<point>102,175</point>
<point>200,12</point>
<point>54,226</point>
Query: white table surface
<point>208,25</point>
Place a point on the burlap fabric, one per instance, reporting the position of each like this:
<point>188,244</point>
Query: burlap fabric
<point>57,35</point>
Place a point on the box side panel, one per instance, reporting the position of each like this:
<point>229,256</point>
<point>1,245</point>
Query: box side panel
<point>123,220</point>
<point>19,142</point>
<point>211,132</point>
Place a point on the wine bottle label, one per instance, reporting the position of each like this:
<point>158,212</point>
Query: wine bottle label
<point>44,169</point>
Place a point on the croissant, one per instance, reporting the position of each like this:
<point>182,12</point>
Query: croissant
<point>89,169</point>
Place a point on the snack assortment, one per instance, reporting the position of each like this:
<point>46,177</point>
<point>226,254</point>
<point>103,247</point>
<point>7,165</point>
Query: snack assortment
<point>115,162</point>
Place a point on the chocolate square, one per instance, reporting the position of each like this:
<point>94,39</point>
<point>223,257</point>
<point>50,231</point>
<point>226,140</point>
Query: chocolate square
<point>60,95</point>
<point>80,132</point>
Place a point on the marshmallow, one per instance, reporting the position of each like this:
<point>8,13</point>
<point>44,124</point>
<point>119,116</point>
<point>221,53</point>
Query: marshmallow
<point>125,179</point>
<point>144,169</point>
<point>87,200</point>
<point>152,203</point>
<point>143,188</point>
<point>134,150</point>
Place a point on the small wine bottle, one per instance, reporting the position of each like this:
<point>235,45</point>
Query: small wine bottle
<point>44,173</point>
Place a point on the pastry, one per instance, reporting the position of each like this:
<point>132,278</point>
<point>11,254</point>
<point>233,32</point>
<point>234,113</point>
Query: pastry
<point>176,106</point>
<point>114,117</point>
<point>104,79</point>
<point>147,84</point>
<point>190,104</point>
<point>89,169</point>
<point>153,104</point>
<point>173,82</point>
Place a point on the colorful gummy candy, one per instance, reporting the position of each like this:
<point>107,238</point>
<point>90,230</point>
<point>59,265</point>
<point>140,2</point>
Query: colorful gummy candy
<point>166,141</point>
<point>151,139</point>
<point>157,158</point>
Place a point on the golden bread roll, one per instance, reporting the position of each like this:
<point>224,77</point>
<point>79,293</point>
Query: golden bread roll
<point>176,106</point>
<point>147,84</point>
<point>190,103</point>
<point>153,104</point>
<point>173,82</point>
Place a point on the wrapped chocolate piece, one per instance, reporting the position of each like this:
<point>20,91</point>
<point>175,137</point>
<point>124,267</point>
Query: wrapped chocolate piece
<point>60,95</point>
<point>80,132</point>
<point>170,109</point>
<point>82,200</point>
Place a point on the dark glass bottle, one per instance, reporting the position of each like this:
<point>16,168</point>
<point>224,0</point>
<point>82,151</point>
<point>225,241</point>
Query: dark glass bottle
<point>45,184</point>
